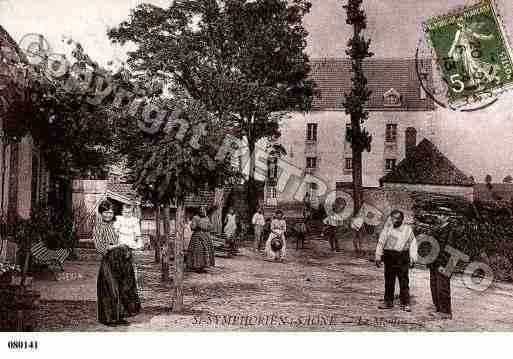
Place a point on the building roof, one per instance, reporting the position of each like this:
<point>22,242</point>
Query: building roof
<point>10,57</point>
<point>122,192</point>
<point>333,79</point>
<point>7,40</point>
<point>427,165</point>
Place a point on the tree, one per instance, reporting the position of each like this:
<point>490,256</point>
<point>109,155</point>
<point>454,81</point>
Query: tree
<point>354,102</point>
<point>508,179</point>
<point>174,168</point>
<point>74,136</point>
<point>244,60</point>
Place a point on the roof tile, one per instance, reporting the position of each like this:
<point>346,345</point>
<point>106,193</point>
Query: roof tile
<point>427,165</point>
<point>333,79</point>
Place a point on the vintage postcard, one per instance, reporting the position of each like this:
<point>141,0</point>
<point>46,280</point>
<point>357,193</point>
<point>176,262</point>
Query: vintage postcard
<point>255,166</point>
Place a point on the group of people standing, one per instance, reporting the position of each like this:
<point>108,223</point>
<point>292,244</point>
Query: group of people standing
<point>397,248</point>
<point>272,232</point>
<point>336,226</point>
<point>116,239</point>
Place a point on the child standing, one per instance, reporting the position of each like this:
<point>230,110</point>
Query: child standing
<point>332,222</point>
<point>300,229</point>
<point>258,222</point>
<point>128,228</point>
<point>278,228</point>
<point>266,232</point>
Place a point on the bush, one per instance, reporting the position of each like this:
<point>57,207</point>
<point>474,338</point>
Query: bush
<point>479,228</point>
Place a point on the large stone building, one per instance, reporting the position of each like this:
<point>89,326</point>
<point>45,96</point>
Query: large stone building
<point>401,114</point>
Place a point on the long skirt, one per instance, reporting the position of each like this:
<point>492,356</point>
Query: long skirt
<point>230,228</point>
<point>201,251</point>
<point>116,287</point>
<point>275,254</point>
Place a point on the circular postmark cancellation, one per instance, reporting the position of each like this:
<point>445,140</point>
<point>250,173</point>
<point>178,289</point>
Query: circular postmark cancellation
<point>473,59</point>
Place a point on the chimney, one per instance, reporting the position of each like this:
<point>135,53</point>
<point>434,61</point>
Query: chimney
<point>410,141</point>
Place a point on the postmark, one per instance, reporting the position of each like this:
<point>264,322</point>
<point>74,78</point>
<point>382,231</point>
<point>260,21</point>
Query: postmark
<point>472,54</point>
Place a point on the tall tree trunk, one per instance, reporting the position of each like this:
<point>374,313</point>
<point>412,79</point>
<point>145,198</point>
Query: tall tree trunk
<point>157,243</point>
<point>251,190</point>
<point>357,167</point>
<point>179,260</point>
<point>167,245</point>
<point>217,216</point>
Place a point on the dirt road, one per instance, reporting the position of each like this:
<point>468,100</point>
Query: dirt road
<point>315,289</point>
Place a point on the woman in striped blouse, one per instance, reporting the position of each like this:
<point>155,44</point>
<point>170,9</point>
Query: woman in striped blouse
<point>116,286</point>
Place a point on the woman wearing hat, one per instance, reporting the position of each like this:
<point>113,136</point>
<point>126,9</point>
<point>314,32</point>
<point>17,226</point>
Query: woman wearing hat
<point>276,245</point>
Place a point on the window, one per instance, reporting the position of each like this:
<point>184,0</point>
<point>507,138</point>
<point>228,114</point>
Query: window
<point>424,74</point>
<point>392,98</point>
<point>272,168</point>
<point>391,133</point>
<point>349,164</point>
<point>348,132</point>
<point>271,192</point>
<point>389,164</point>
<point>422,93</point>
<point>311,162</point>
<point>311,132</point>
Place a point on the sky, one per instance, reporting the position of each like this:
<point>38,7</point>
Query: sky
<point>479,143</point>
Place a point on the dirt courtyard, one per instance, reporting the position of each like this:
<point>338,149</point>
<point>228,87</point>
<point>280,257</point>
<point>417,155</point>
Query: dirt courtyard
<point>315,289</point>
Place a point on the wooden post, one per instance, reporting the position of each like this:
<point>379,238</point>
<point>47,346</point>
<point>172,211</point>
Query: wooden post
<point>165,254</point>
<point>179,258</point>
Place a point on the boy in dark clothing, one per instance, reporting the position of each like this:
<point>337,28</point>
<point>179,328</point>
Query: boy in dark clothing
<point>300,231</point>
<point>266,232</point>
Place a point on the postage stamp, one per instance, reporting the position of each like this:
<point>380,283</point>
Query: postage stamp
<point>472,52</point>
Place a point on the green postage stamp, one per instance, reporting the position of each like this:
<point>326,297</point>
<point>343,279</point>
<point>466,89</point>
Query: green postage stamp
<point>472,53</point>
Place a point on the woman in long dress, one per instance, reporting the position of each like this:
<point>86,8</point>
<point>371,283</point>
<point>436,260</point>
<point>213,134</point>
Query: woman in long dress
<point>278,229</point>
<point>201,249</point>
<point>230,228</point>
<point>116,285</point>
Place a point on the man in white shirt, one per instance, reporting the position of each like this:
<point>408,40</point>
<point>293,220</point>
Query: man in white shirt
<point>258,222</point>
<point>397,247</point>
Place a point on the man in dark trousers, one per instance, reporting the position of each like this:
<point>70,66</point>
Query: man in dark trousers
<point>440,282</point>
<point>397,247</point>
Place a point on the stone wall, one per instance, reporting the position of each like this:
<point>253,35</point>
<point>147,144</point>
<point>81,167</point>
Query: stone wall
<point>464,191</point>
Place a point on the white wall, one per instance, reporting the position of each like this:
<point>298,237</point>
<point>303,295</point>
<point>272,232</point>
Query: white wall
<point>332,149</point>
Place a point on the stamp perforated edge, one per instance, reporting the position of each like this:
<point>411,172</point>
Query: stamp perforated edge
<point>505,37</point>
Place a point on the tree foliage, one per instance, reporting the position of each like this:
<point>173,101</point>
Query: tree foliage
<point>74,136</point>
<point>245,61</point>
<point>167,169</point>
<point>354,101</point>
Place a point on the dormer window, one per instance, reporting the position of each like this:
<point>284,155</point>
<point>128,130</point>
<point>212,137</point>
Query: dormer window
<point>392,98</point>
